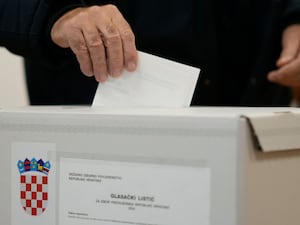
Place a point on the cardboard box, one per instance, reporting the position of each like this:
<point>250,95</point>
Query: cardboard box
<point>252,154</point>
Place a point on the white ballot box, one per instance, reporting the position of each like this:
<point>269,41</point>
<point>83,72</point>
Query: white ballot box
<point>193,166</point>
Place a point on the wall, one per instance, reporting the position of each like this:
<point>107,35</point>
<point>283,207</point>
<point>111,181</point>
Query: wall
<point>12,82</point>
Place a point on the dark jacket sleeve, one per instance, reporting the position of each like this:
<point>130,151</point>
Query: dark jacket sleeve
<point>291,13</point>
<point>21,25</point>
<point>24,26</point>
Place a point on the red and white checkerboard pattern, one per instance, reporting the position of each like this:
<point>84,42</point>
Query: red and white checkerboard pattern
<point>34,193</point>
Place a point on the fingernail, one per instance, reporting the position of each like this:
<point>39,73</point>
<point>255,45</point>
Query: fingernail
<point>88,73</point>
<point>97,79</point>
<point>103,79</point>
<point>116,73</point>
<point>131,66</point>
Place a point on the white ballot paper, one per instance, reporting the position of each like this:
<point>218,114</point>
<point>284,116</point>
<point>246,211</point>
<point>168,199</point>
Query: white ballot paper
<point>157,82</point>
<point>98,192</point>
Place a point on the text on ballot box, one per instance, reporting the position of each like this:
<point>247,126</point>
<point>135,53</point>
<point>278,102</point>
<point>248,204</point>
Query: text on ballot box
<point>132,193</point>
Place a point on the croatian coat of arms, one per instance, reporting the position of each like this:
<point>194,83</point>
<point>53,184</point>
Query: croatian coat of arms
<point>34,185</point>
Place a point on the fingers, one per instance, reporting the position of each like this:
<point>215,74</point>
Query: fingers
<point>288,72</point>
<point>101,39</point>
<point>287,75</point>
<point>290,45</point>
<point>114,50</point>
<point>119,41</point>
<point>128,42</point>
<point>96,52</point>
<point>78,45</point>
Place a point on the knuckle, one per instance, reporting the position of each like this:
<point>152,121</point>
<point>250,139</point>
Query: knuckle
<point>93,10</point>
<point>95,43</point>
<point>127,35</point>
<point>111,7</point>
<point>57,37</point>
<point>76,23</point>
<point>111,29</point>
<point>80,48</point>
<point>113,39</point>
<point>103,11</point>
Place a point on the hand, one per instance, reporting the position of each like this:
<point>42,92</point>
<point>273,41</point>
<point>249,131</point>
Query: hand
<point>101,39</point>
<point>288,72</point>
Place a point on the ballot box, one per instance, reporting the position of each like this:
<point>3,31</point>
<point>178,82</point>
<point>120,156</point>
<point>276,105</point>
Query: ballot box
<point>192,166</point>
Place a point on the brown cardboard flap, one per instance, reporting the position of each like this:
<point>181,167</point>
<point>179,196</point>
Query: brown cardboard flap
<point>275,131</point>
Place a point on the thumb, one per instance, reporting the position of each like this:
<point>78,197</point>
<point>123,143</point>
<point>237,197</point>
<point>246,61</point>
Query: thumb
<point>290,45</point>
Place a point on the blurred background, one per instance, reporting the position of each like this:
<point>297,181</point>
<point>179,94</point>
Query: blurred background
<point>12,80</point>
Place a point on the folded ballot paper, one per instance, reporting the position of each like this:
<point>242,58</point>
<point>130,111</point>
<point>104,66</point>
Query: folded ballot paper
<point>157,82</point>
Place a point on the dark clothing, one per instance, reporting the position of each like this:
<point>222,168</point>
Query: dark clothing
<point>21,26</point>
<point>235,43</point>
<point>25,27</point>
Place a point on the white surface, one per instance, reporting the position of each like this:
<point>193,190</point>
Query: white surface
<point>247,186</point>
<point>12,83</point>
<point>157,82</point>
<point>160,139</point>
<point>273,129</point>
<point>132,193</point>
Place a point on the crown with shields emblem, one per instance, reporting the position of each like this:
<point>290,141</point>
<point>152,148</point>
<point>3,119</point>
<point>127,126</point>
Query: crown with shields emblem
<point>34,185</point>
